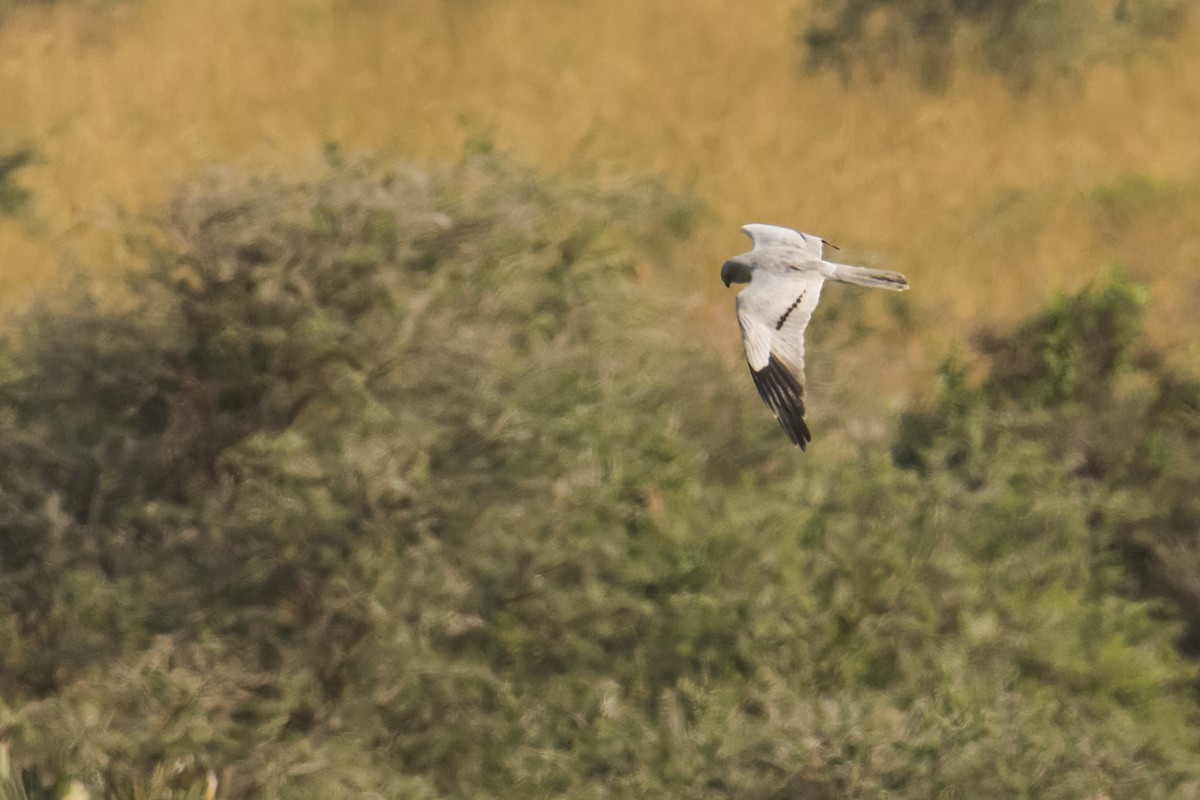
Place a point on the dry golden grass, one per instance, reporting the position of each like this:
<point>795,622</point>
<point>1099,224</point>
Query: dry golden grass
<point>988,201</point>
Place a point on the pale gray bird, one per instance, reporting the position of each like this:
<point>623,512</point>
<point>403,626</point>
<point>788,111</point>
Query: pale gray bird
<point>786,270</point>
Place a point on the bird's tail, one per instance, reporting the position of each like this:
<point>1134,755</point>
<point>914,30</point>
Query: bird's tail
<point>865,276</point>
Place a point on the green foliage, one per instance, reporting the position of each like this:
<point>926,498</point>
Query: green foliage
<point>396,482</point>
<point>1018,38</point>
<point>7,6</point>
<point>1071,349</point>
<point>1071,356</point>
<point>1121,200</point>
<point>1075,382</point>
<point>12,196</point>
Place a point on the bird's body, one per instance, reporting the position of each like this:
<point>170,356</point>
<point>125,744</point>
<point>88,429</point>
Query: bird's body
<point>786,270</point>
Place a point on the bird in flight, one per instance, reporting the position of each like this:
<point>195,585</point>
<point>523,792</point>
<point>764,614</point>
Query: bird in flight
<point>785,270</point>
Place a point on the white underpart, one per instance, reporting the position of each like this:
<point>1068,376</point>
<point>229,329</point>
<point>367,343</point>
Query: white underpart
<point>787,271</point>
<point>764,303</point>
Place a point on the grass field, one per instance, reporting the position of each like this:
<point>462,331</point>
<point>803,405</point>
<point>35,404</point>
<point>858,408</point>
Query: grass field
<point>988,199</point>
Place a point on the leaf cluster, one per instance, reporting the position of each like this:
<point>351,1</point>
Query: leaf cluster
<point>1020,39</point>
<point>1077,381</point>
<point>13,197</point>
<point>396,482</point>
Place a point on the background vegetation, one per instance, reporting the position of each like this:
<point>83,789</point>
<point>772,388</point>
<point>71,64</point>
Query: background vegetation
<point>435,473</point>
<point>388,482</point>
<point>1024,40</point>
<point>1032,189</point>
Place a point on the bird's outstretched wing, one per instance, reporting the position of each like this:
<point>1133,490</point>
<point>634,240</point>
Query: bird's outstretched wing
<point>764,236</point>
<point>773,312</point>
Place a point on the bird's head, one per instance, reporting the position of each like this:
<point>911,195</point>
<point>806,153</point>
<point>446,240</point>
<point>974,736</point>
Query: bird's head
<point>735,271</point>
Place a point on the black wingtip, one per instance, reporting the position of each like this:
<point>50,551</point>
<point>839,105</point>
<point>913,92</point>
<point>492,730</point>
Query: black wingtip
<point>784,395</point>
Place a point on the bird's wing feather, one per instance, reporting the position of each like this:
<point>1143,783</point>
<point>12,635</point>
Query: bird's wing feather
<point>773,312</point>
<point>764,236</point>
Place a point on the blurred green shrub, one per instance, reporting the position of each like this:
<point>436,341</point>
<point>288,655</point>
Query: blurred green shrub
<point>13,196</point>
<point>8,5</point>
<point>1119,202</point>
<point>1021,39</point>
<point>396,482</point>
<point>1077,382</point>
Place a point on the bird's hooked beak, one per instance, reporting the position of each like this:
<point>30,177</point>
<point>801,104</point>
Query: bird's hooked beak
<point>734,271</point>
